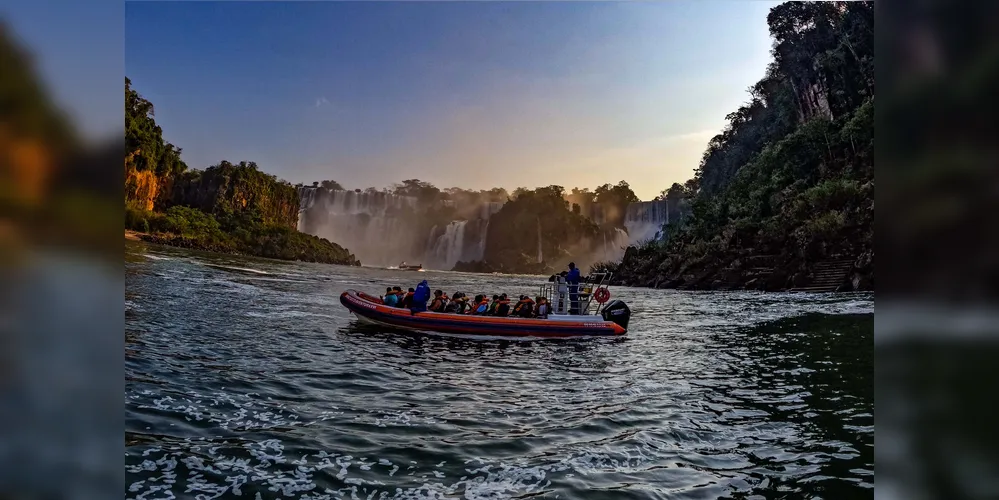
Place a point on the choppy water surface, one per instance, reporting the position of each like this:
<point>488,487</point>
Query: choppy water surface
<point>246,377</point>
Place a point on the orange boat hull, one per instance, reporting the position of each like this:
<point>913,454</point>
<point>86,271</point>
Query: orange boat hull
<point>372,309</point>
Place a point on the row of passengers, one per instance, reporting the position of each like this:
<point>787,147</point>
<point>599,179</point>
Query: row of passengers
<point>395,297</point>
<point>459,303</point>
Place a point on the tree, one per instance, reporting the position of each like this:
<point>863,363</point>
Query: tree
<point>424,192</point>
<point>615,199</point>
<point>332,185</point>
<point>675,192</point>
<point>144,136</point>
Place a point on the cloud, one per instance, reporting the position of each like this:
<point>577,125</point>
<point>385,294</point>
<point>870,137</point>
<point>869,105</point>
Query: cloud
<point>322,101</point>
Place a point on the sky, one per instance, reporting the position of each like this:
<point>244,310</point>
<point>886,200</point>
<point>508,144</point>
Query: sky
<point>468,94</point>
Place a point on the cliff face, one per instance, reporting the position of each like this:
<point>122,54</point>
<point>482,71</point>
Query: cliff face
<point>223,190</point>
<point>142,188</point>
<point>242,190</point>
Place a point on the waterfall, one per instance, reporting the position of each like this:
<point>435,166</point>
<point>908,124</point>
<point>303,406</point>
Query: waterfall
<point>372,225</point>
<point>613,248</point>
<point>449,247</point>
<point>463,240</point>
<point>540,256</point>
<point>646,219</point>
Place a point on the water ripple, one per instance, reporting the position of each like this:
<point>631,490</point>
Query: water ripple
<point>246,377</point>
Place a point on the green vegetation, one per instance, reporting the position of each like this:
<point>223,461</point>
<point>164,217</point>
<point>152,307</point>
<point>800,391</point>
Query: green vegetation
<point>512,239</point>
<point>191,228</point>
<point>227,189</point>
<point>230,208</point>
<point>790,181</point>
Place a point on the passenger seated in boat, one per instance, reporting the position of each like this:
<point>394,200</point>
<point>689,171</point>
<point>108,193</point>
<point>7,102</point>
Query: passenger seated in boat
<point>543,308</point>
<point>524,307</point>
<point>407,300</point>
<point>491,311</point>
<point>390,299</point>
<point>399,295</point>
<point>503,307</point>
<point>440,301</point>
<point>468,304</point>
<point>481,305</point>
<point>419,297</point>
<point>452,305</point>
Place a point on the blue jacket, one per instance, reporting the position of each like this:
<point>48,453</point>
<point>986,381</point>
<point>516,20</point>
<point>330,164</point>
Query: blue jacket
<point>391,300</point>
<point>420,297</point>
<point>573,276</point>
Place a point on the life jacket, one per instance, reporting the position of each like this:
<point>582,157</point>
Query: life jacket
<point>503,308</point>
<point>407,300</point>
<point>492,308</point>
<point>526,308</point>
<point>390,299</point>
<point>452,306</point>
<point>482,307</point>
<point>438,303</point>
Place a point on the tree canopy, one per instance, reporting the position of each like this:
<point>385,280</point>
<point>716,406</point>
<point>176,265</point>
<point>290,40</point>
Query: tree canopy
<point>144,137</point>
<point>791,174</point>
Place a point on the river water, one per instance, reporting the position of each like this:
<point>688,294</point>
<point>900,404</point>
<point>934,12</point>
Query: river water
<point>247,377</point>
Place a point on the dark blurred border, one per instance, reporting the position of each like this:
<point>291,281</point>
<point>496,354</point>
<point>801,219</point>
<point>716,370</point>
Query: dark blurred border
<point>936,346</point>
<point>61,280</point>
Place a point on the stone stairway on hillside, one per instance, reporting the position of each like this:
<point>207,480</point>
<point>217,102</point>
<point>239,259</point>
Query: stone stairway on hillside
<point>827,276</point>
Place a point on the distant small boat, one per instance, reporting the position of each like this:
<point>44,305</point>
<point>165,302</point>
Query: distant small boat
<point>408,267</point>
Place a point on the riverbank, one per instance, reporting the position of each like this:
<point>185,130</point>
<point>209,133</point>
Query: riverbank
<point>186,227</point>
<point>768,273</point>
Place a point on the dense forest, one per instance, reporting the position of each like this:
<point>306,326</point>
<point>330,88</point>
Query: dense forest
<point>789,183</point>
<point>231,208</point>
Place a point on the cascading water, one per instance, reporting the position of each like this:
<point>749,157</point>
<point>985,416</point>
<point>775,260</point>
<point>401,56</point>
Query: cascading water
<point>613,247</point>
<point>372,226</point>
<point>460,240</point>
<point>644,220</point>
<point>541,256</point>
<point>451,244</point>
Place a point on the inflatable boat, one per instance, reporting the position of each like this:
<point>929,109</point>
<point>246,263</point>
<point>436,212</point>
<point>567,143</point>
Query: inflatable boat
<point>610,319</point>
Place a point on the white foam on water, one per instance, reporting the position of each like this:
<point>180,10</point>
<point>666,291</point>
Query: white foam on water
<point>270,469</point>
<point>235,268</point>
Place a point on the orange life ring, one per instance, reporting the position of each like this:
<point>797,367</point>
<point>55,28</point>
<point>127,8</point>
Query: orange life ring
<point>602,295</point>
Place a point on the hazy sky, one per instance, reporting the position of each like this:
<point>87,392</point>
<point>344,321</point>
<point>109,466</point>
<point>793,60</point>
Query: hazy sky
<point>475,95</point>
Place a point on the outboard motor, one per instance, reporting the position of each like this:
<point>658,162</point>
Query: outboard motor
<point>618,312</point>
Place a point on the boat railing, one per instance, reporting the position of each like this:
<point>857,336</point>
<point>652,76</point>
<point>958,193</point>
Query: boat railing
<point>557,293</point>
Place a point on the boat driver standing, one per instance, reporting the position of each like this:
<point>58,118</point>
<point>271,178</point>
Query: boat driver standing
<point>573,280</point>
